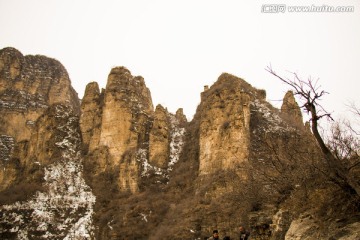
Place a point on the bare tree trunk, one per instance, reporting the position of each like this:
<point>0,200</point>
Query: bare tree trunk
<point>338,172</point>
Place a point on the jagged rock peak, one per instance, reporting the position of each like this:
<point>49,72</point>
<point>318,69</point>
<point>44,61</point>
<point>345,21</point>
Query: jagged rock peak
<point>33,82</point>
<point>160,107</point>
<point>120,70</point>
<point>130,88</point>
<point>291,108</point>
<point>227,79</point>
<point>90,114</point>
<point>12,64</point>
<point>233,83</point>
<point>92,93</point>
<point>180,116</point>
<point>121,75</point>
<point>91,89</point>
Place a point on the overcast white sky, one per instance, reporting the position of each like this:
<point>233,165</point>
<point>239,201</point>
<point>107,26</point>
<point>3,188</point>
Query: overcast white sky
<point>180,46</point>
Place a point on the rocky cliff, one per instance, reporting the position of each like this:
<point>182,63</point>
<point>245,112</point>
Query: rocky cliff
<point>116,168</point>
<point>225,124</point>
<point>53,200</point>
<point>29,85</point>
<point>43,191</point>
<point>123,134</point>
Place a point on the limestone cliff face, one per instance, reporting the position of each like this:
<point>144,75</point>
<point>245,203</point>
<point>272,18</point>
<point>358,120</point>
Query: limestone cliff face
<point>224,124</point>
<point>9,169</point>
<point>56,201</point>
<point>29,85</point>
<point>122,134</point>
<point>50,137</point>
<point>40,149</point>
<point>118,120</point>
<point>91,111</point>
<point>166,137</point>
<point>127,107</point>
<point>159,142</point>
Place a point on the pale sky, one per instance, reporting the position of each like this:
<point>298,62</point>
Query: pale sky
<point>180,46</point>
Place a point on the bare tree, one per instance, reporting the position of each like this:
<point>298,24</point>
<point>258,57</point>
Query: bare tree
<point>344,143</point>
<point>310,93</point>
<point>356,112</point>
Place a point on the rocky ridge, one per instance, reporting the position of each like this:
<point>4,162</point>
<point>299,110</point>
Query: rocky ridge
<point>121,124</point>
<point>115,168</point>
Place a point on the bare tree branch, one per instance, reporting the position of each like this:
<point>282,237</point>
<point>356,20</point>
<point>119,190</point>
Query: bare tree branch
<point>310,94</point>
<point>356,111</point>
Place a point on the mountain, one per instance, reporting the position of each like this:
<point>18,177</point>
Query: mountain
<point>112,166</point>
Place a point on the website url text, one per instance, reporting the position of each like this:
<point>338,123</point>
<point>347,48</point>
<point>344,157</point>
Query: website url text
<point>282,8</point>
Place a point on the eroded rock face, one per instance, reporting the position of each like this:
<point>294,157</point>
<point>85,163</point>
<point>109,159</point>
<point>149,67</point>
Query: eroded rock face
<point>280,224</point>
<point>55,124</point>
<point>224,124</point>
<point>117,120</point>
<point>63,207</point>
<point>29,85</point>
<point>159,144</point>
<point>126,109</point>
<point>91,111</point>
<point>306,226</point>
<point>124,136</point>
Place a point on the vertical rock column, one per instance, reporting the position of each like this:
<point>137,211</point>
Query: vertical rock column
<point>159,144</point>
<point>121,126</point>
<point>224,125</point>
<point>90,121</point>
